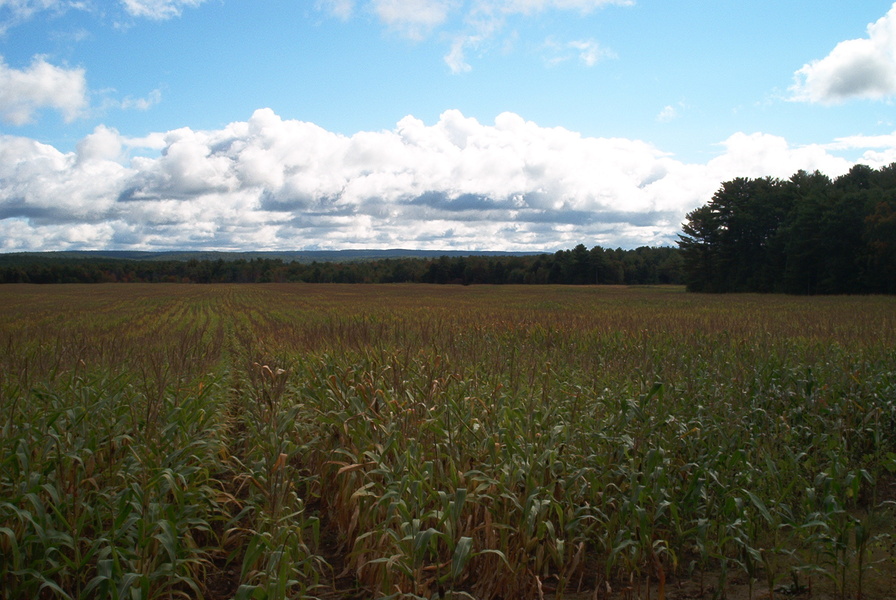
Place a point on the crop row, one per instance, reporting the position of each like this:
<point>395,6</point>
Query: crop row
<point>418,442</point>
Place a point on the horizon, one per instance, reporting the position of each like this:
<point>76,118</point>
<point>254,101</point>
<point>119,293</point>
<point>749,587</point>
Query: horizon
<point>386,252</point>
<point>437,125</point>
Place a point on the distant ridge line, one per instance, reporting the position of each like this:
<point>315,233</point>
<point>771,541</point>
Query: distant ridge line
<point>302,256</point>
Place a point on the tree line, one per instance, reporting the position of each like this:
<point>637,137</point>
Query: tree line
<point>805,235</point>
<point>578,266</point>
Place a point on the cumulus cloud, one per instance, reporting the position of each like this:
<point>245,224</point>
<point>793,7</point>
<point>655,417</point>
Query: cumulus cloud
<point>270,183</point>
<point>761,154</point>
<point>879,150</point>
<point>40,85</point>
<point>104,144</point>
<point>49,188</point>
<point>860,68</point>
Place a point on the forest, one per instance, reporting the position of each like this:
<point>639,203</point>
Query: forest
<point>805,235</point>
<point>642,266</point>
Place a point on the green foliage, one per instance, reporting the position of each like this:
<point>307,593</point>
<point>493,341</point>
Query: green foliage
<point>290,441</point>
<point>578,266</point>
<point>806,235</point>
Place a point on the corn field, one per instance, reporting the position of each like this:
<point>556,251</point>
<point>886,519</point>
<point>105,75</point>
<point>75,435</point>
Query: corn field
<point>415,442</point>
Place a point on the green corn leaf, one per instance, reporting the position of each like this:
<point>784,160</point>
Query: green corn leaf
<point>760,506</point>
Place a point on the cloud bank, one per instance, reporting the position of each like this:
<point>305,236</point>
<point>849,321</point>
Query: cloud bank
<point>861,68</point>
<point>270,183</point>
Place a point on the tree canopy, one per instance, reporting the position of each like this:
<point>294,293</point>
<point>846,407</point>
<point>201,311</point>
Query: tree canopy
<point>804,235</point>
<point>577,266</point>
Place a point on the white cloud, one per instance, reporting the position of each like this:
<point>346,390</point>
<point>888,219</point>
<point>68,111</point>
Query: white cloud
<point>270,183</point>
<point>588,52</point>
<point>536,6</point>
<point>158,9</point>
<point>342,9</point>
<point>415,18</point>
<point>863,141</point>
<point>860,68</point>
<point>151,99</point>
<point>13,12</point>
<point>456,57</point>
<point>880,150</point>
<point>104,144</point>
<point>40,85</point>
<point>761,154</point>
<point>669,113</point>
<point>26,8</point>
<point>470,23</point>
<point>50,188</point>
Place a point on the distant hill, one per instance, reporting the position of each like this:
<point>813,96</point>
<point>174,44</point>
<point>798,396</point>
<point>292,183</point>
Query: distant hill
<point>300,256</point>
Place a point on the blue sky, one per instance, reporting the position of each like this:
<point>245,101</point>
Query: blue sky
<point>432,124</point>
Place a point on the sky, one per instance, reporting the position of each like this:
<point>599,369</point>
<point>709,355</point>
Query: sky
<point>523,125</point>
